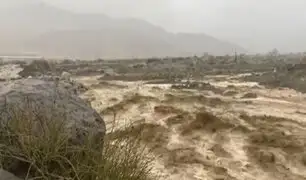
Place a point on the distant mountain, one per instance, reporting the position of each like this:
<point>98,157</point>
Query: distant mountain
<point>53,32</point>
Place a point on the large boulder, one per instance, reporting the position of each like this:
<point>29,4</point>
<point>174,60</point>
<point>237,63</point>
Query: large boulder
<point>51,100</point>
<point>69,84</point>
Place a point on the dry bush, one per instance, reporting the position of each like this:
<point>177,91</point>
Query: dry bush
<point>32,147</point>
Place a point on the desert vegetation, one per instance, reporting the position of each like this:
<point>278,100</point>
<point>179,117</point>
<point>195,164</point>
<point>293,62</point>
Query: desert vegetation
<point>51,155</point>
<point>36,146</point>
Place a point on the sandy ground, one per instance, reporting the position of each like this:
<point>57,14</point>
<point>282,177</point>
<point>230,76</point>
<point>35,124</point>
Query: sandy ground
<point>202,135</point>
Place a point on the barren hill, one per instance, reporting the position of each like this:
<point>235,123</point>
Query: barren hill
<point>49,31</point>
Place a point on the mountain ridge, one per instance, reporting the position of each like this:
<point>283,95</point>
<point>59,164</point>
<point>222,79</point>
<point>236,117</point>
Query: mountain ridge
<point>51,31</point>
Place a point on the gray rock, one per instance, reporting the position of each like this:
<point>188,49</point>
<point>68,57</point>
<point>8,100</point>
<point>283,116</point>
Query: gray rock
<point>72,86</point>
<point>4,175</point>
<point>52,101</point>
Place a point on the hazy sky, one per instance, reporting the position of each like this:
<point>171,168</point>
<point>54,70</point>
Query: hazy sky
<point>259,25</point>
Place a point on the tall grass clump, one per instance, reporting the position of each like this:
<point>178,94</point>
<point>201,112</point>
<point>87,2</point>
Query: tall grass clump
<point>33,146</point>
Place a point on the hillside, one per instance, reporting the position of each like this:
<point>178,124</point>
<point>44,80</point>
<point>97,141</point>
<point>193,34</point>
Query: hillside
<point>51,32</point>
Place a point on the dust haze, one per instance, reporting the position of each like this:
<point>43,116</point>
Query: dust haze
<point>236,25</point>
<point>258,26</point>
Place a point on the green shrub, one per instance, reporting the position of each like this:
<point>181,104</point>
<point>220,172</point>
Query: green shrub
<point>38,148</point>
